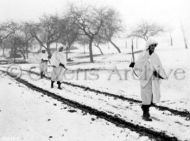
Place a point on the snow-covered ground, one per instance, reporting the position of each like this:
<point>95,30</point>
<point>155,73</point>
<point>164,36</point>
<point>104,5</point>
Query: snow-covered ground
<point>26,115</point>
<point>109,73</point>
<point>112,74</point>
<point>166,122</point>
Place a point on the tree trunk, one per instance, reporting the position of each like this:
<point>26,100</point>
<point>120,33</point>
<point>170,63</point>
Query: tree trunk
<point>48,50</point>
<point>56,45</point>
<point>90,51</point>
<point>185,43</point>
<point>116,47</point>
<point>26,51</point>
<point>99,49</point>
<point>171,39</point>
<point>23,55</point>
<point>3,51</point>
<point>184,38</point>
<point>14,54</point>
<point>132,51</point>
<point>67,52</point>
<point>14,51</point>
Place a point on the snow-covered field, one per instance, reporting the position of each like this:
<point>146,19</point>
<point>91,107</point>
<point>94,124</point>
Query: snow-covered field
<point>111,73</point>
<point>29,115</point>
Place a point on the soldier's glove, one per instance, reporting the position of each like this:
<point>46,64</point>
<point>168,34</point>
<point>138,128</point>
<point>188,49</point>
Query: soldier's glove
<point>62,65</point>
<point>132,64</point>
<point>156,74</point>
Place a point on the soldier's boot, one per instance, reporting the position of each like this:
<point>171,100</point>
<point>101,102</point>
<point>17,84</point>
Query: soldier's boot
<point>146,115</point>
<point>152,104</point>
<point>59,85</point>
<point>52,82</point>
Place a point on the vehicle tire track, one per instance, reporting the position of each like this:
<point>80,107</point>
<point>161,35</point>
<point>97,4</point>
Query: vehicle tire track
<point>185,114</point>
<point>152,134</point>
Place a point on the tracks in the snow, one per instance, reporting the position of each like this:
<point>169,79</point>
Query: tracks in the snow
<point>156,135</point>
<point>185,114</point>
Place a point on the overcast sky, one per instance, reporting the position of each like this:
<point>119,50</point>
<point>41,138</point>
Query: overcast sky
<point>164,11</point>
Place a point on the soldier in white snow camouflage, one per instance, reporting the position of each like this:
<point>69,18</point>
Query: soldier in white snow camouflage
<point>58,62</point>
<point>150,71</point>
<point>43,63</point>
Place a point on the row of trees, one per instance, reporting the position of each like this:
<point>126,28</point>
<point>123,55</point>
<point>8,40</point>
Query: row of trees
<point>13,36</point>
<point>90,25</point>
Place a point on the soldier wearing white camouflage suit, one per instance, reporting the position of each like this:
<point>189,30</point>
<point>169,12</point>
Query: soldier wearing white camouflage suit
<point>43,63</point>
<point>58,62</point>
<point>150,71</point>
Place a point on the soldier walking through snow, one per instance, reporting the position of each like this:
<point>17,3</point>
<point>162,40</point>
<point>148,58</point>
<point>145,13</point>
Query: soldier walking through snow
<point>43,63</point>
<point>150,72</point>
<point>58,62</point>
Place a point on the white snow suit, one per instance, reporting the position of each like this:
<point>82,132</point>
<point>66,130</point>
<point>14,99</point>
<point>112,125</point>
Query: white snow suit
<point>57,72</point>
<point>43,63</point>
<point>150,85</point>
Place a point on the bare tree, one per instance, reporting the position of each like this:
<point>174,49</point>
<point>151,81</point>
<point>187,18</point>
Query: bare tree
<point>15,37</point>
<point>69,32</point>
<point>112,26</point>
<point>98,41</point>
<point>89,21</point>
<point>46,32</point>
<point>6,30</point>
<point>27,38</point>
<point>99,25</point>
<point>146,30</point>
<point>18,46</point>
<point>83,40</point>
<point>17,41</point>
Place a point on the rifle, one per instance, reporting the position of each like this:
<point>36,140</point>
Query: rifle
<point>133,58</point>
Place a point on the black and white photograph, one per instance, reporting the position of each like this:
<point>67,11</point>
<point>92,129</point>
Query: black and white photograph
<point>94,70</point>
